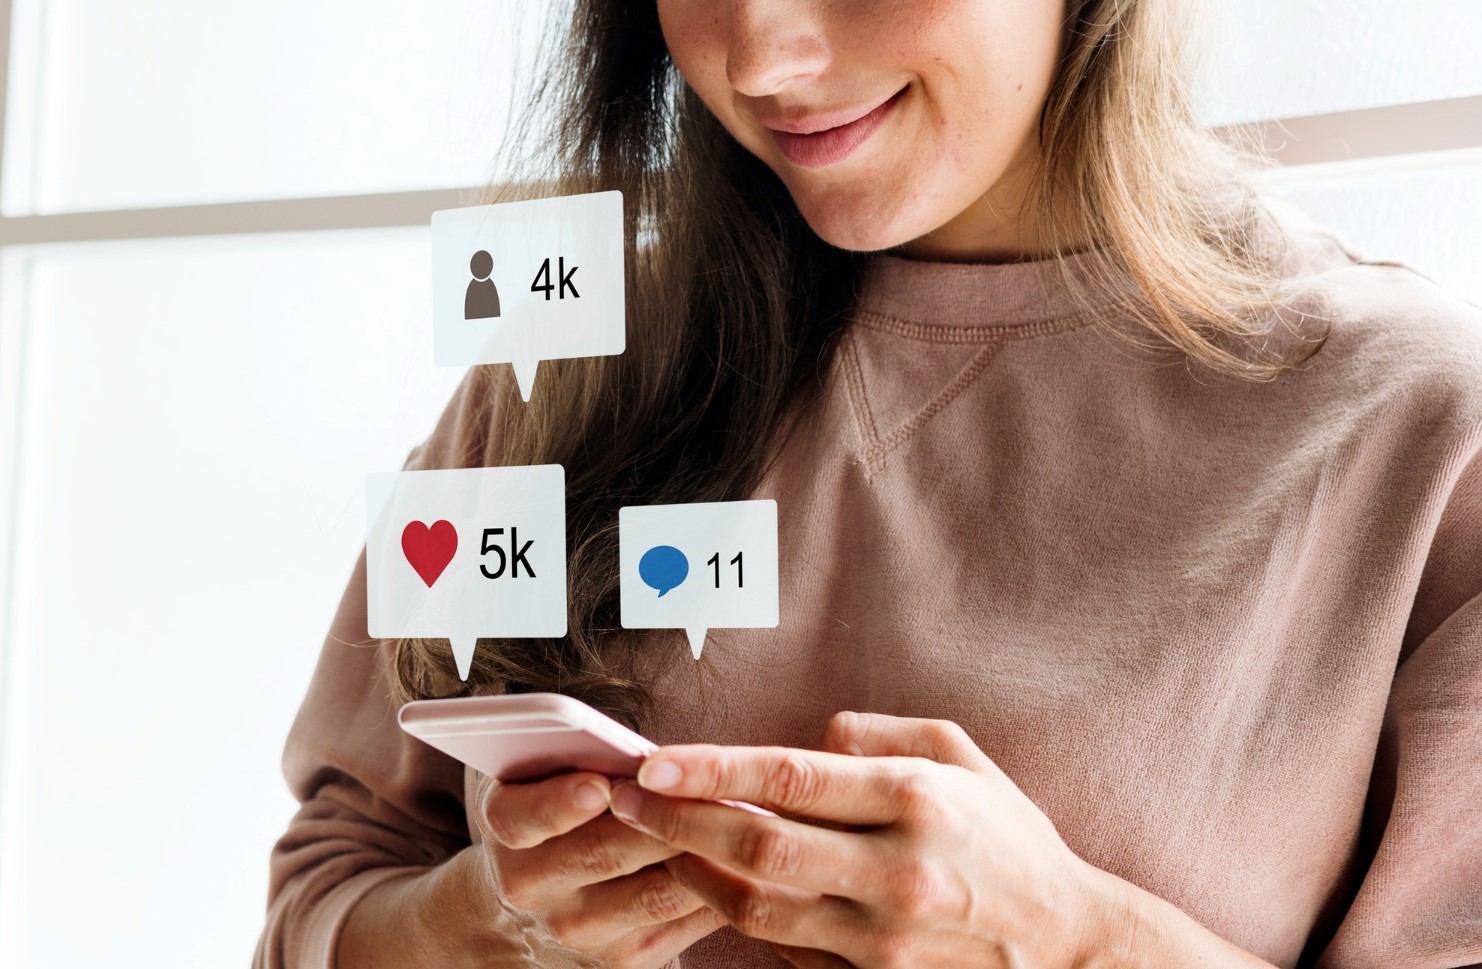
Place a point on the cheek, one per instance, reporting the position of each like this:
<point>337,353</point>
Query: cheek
<point>984,83</point>
<point>692,33</point>
<point>974,117</point>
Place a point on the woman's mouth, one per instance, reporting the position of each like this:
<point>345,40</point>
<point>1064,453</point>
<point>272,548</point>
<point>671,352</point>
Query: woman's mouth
<point>835,144</point>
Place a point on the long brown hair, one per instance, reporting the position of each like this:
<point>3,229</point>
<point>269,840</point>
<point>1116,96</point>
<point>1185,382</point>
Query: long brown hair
<point>734,303</point>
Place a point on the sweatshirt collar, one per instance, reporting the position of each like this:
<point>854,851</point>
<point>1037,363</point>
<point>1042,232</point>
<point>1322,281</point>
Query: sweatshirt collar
<point>1030,296</point>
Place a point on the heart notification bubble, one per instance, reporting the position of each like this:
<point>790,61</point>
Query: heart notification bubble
<point>521,282</point>
<point>733,545</point>
<point>663,567</point>
<point>492,563</point>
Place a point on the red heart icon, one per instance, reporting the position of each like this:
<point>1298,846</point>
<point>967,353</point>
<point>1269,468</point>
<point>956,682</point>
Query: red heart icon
<point>429,549</point>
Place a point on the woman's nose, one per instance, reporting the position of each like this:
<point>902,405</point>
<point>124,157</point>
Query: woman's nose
<point>773,43</point>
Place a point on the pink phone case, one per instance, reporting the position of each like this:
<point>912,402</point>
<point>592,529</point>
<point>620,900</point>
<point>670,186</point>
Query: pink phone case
<point>531,736</point>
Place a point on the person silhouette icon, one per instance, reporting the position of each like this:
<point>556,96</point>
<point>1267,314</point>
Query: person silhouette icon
<point>481,301</point>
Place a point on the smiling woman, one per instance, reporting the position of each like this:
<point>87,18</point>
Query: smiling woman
<point>974,82</point>
<point>1162,665</point>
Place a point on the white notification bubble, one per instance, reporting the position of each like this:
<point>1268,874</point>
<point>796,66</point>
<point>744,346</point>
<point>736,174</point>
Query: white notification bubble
<point>466,552</point>
<point>521,282</point>
<point>699,566</point>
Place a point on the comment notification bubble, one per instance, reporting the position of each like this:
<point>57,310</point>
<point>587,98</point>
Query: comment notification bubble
<point>521,282</point>
<point>699,567</point>
<point>466,553</point>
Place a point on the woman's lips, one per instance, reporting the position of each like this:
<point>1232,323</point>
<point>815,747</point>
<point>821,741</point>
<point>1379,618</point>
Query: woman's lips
<point>826,147</point>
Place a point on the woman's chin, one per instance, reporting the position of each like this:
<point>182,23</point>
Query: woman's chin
<point>858,231</point>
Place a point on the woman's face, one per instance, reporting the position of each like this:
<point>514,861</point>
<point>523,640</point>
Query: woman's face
<point>941,169</point>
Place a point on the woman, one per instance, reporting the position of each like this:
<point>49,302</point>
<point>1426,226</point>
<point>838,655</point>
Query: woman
<point>1106,661</point>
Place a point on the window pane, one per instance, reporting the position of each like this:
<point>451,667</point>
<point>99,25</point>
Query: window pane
<point>160,102</point>
<point>200,417</point>
<point>1279,59</point>
<point>1428,217</point>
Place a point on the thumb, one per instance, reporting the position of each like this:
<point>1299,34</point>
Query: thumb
<point>882,735</point>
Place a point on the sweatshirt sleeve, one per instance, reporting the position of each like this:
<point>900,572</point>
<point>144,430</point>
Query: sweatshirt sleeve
<point>374,803</point>
<point>1419,904</point>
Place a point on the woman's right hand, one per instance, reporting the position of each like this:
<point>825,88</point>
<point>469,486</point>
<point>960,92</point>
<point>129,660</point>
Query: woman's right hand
<point>591,883</point>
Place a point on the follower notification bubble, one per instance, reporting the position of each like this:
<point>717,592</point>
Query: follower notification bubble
<point>466,553</point>
<point>699,566</point>
<point>521,282</point>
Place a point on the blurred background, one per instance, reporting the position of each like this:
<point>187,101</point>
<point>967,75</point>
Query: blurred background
<point>214,320</point>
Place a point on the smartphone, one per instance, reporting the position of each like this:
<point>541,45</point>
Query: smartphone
<point>521,737</point>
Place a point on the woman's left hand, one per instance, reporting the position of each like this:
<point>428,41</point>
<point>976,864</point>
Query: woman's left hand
<point>947,863</point>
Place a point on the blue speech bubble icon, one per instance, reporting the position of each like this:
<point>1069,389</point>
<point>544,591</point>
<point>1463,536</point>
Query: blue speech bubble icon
<point>663,567</point>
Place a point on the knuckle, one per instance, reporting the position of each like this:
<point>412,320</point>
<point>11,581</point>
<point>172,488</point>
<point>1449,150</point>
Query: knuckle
<point>793,781</point>
<point>659,901</point>
<point>839,729</point>
<point>752,911</point>
<point>916,794</point>
<point>667,823</point>
<point>947,736</point>
<point>913,889</point>
<point>768,852</point>
<point>600,857</point>
<point>719,777</point>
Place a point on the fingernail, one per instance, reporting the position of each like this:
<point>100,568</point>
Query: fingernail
<point>659,774</point>
<point>625,799</point>
<point>589,795</point>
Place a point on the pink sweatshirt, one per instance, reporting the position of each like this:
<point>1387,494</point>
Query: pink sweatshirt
<point>1226,635</point>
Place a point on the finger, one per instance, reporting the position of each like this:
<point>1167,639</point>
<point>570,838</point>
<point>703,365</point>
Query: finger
<point>621,912</point>
<point>881,735</point>
<point>602,849</point>
<point>658,946</point>
<point>811,958</point>
<point>819,784</point>
<point>526,814</point>
<point>774,913</point>
<point>650,896</point>
<point>851,864</point>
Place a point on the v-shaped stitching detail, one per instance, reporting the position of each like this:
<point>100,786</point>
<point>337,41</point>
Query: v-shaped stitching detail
<point>874,447</point>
